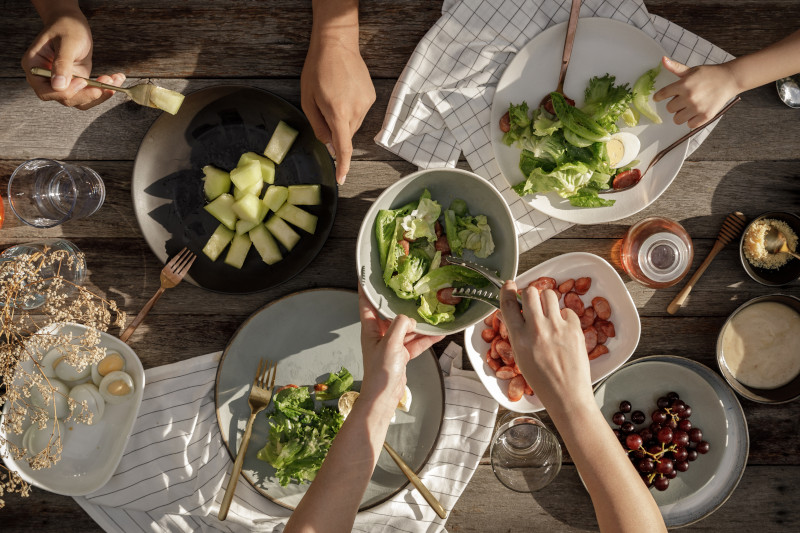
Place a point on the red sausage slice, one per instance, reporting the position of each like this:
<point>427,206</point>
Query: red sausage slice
<point>516,388</point>
<point>503,349</point>
<point>505,372</point>
<point>494,364</point>
<point>590,336</point>
<point>488,334</point>
<point>627,178</point>
<point>606,326</point>
<point>544,283</point>
<point>405,245</point>
<point>601,336</point>
<point>503,330</point>
<point>587,318</point>
<point>505,123</point>
<point>601,307</point>
<point>446,296</point>
<point>489,319</point>
<point>582,285</point>
<point>574,302</point>
<point>566,286</point>
<point>599,350</point>
<point>438,228</point>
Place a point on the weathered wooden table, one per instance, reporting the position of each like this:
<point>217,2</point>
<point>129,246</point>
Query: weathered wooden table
<point>751,163</point>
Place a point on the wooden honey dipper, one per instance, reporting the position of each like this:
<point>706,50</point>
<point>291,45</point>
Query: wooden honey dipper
<point>731,229</point>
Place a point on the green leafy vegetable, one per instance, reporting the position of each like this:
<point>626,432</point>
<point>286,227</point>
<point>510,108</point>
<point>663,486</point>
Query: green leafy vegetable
<point>606,102</point>
<point>588,197</point>
<point>419,223</point>
<point>338,383</point>
<point>577,121</point>
<point>476,235</point>
<point>641,94</point>
<point>409,270</point>
<point>385,228</point>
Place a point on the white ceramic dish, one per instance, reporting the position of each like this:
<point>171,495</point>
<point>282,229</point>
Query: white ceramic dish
<point>601,46</point>
<point>90,454</point>
<point>712,478</point>
<point>606,283</point>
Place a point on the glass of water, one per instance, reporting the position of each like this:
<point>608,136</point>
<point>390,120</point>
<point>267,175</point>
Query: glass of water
<point>525,454</point>
<point>45,193</point>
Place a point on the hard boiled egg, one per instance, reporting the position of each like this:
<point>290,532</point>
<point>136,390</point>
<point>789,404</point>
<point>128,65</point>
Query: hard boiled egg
<point>622,148</point>
<point>36,440</point>
<point>67,372</point>
<point>112,362</point>
<point>95,404</point>
<point>405,401</point>
<point>48,362</point>
<point>56,407</point>
<point>117,387</point>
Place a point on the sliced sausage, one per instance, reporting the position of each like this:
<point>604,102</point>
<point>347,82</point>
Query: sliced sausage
<point>446,296</point>
<point>442,245</point>
<point>601,336</point>
<point>599,350</point>
<point>516,388</point>
<point>504,372</point>
<point>488,320</point>
<point>587,318</point>
<point>495,353</point>
<point>438,228</point>
<point>528,389</point>
<point>517,371</point>
<point>601,307</point>
<point>503,348</point>
<point>505,123</point>
<point>488,334</point>
<point>627,178</point>
<point>503,330</point>
<point>582,285</point>
<point>574,302</point>
<point>494,364</point>
<point>606,326</point>
<point>406,246</point>
<point>566,286</point>
<point>544,283</point>
<point>590,336</point>
<point>496,320</point>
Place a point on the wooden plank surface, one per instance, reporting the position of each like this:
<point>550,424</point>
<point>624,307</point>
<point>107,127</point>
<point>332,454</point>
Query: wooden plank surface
<point>749,163</point>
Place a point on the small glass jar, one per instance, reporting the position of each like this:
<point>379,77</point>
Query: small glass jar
<point>657,252</point>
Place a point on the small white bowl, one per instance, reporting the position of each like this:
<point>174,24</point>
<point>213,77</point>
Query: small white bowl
<point>606,283</point>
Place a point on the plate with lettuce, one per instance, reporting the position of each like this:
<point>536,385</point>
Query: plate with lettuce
<point>558,162</point>
<point>291,437</point>
<point>409,231</point>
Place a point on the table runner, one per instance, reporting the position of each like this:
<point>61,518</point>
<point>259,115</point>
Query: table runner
<point>441,105</point>
<point>175,467</point>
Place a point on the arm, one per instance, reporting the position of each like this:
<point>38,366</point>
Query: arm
<point>551,353</point>
<point>702,91</point>
<point>336,90</point>
<point>65,47</point>
<point>331,502</point>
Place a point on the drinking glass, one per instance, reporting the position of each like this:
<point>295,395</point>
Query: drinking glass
<point>59,257</point>
<point>525,454</point>
<point>44,193</point>
<point>657,252</point>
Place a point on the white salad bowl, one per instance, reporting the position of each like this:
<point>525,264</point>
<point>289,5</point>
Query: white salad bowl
<point>445,185</point>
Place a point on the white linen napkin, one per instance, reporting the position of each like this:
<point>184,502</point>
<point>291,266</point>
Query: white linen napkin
<point>175,467</point>
<point>441,105</point>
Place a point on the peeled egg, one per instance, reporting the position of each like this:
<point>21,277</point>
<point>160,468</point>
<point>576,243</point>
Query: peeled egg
<point>117,387</point>
<point>36,440</point>
<point>57,407</point>
<point>112,362</point>
<point>405,402</point>
<point>64,370</point>
<point>94,401</point>
<point>47,361</point>
<point>622,148</point>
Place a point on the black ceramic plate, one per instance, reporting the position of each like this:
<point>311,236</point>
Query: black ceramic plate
<point>214,127</point>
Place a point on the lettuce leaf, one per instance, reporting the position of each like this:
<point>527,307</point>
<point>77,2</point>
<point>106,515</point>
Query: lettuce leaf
<point>641,94</point>
<point>338,383</point>
<point>419,223</point>
<point>476,235</point>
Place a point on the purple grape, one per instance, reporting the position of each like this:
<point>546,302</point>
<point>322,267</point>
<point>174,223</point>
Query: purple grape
<point>618,418</point>
<point>695,435</point>
<point>638,417</point>
<point>661,483</point>
<point>703,447</point>
<point>625,406</point>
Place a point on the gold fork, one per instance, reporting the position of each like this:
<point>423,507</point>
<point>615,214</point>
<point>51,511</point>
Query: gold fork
<point>172,274</point>
<point>260,395</point>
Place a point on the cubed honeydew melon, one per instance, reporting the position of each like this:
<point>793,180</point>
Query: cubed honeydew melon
<point>297,217</point>
<point>267,166</point>
<point>283,232</point>
<point>169,101</point>
<point>244,226</point>
<point>250,208</point>
<point>245,177</point>
<point>280,142</point>
<point>217,242</point>
<point>304,195</point>
<point>222,209</point>
<point>215,182</point>
<point>275,197</point>
<point>238,250</point>
<point>265,244</point>
<point>255,189</point>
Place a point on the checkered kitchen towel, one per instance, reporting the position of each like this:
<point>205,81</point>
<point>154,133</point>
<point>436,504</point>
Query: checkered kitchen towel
<point>441,105</point>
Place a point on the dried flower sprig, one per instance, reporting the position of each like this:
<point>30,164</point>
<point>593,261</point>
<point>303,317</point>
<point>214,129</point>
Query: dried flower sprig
<point>35,298</point>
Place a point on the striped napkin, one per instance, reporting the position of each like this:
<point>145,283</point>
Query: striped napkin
<point>441,105</point>
<point>175,466</point>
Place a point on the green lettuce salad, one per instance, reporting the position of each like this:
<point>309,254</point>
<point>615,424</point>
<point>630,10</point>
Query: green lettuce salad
<point>565,151</point>
<point>411,253</point>
<point>301,435</point>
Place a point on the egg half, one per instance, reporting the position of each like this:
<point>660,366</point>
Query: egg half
<point>112,362</point>
<point>622,148</point>
<point>36,440</point>
<point>117,387</point>
<point>57,406</point>
<point>95,404</point>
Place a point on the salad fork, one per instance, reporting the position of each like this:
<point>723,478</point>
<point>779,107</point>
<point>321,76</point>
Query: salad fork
<point>260,395</point>
<point>172,274</point>
<point>482,295</point>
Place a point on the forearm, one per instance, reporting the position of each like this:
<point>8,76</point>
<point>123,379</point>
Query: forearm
<point>773,62</point>
<point>50,9</point>
<point>621,500</point>
<point>332,500</point>
<point>336,19</point>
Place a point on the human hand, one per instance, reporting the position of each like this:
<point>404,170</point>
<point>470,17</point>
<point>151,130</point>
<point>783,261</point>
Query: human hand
<point>548,345</point>
<point>699,93</point>
<point>387,347</point>
<point>336,92</point>
<point>65,48</point>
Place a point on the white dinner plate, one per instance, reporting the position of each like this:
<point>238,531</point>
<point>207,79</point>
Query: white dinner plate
<point>606,283</point>
<point>92,453</point>
<point>310,334</point>
<point>712,478</point>
<point>601,46</point>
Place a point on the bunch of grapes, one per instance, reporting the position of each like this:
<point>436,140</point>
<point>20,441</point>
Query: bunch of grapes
<point>665,447</point>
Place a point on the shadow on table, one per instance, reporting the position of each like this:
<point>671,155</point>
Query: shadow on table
<point>566,487</point>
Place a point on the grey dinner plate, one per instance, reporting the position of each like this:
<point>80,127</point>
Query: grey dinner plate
<point>310,334</point>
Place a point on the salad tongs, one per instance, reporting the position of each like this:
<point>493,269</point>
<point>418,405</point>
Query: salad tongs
<point>484,295</point>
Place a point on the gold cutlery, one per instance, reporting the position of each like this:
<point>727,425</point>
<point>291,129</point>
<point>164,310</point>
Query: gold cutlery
<point>260,395</point>
<point>172,274</point>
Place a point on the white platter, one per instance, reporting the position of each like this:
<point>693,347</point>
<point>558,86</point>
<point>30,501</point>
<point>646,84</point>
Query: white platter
<point>601,46</point>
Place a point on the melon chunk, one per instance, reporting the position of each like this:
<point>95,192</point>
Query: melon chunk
<point>304,195</point>
<point>267,166</point>
<point>244,226</point>
<point>280,142</point>
<point>255,189</point>
<point>221,209</point>
<point>283,232</point>
<point>265,244</point>
<point>245,177</point>
<point>215,182</point>
<point>275,197</point>
<point>161,98</point>
<point>249,208</point>
<point>296,216</point>
<point>217,242</point>
<point>238,251</point>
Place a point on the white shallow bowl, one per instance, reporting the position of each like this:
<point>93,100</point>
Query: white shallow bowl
<point>445,185</point>
<point>92,453</point>
<point>712,478</point>
<point>606,283</point>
